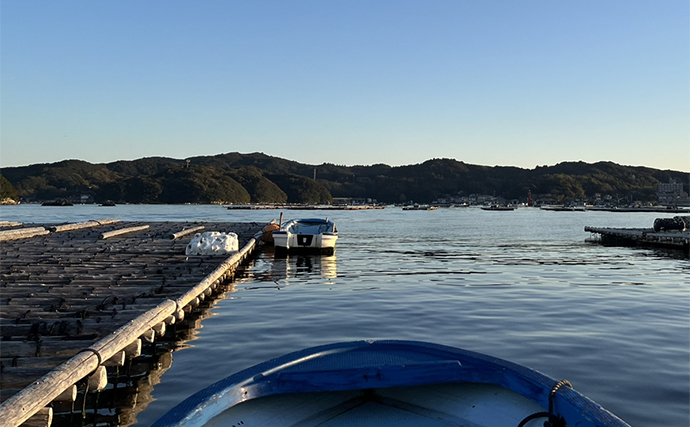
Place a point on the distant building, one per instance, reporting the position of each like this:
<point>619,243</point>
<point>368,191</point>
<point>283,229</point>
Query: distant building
<point>672,194</point>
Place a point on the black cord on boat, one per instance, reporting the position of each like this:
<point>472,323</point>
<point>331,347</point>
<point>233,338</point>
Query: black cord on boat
<point>533,416</point>
<point>553,420</point>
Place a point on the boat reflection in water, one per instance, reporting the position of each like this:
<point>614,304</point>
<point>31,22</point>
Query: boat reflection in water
<point>294,266</point>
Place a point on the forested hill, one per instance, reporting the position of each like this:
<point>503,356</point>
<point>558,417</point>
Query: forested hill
<point>259,178</point>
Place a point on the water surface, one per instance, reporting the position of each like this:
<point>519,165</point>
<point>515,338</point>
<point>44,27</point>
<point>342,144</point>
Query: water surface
<point>522,285</point>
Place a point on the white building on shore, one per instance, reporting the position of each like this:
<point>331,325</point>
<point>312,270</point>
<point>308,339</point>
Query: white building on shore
<point>672,194</point>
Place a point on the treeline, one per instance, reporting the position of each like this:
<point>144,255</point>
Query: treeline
<point>259,178</point>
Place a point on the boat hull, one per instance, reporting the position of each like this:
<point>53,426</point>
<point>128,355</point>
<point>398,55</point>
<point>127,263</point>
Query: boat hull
<point>402,383</point>
<point>310,235</point>
<point>287,242</point>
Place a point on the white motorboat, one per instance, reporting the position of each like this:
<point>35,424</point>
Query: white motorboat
<point>312,235</point>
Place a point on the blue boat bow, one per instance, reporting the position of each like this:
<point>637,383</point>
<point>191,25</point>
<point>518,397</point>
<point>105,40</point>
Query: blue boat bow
<point>386,365</point>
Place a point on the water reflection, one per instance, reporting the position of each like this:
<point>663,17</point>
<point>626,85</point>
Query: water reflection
<point>296,266</point>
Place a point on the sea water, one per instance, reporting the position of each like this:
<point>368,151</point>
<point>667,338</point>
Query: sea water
<point>523,285</point>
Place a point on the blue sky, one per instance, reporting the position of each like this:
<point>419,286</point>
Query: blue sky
<point>490,82</point>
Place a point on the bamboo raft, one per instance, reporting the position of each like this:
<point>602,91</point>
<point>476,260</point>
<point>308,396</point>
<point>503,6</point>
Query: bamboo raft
<point>80,301</point>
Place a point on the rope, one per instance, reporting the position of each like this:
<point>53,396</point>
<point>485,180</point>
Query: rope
<point>86,385</point>
<point>553,391</point>
<point>100,359</point>
<point>86,391</point>
<point>553,420</point>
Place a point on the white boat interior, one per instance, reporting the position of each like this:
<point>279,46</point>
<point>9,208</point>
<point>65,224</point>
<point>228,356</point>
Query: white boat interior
<point>388,383</point>
<point>441,405</point>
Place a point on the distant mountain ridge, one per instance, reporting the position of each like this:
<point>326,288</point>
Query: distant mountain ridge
<point>259,178</point>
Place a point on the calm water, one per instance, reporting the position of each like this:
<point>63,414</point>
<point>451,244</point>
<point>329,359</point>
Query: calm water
<point>522,285</point>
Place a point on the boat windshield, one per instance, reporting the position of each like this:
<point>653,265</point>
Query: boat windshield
<point>309,228</point>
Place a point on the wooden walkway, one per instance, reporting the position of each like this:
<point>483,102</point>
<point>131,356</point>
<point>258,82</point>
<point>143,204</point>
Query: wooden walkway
<point>77,299</point>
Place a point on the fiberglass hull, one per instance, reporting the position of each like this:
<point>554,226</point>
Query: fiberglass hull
<point>401,383</point>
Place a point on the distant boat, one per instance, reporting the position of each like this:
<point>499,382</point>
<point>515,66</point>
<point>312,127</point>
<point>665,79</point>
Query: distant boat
<point>419,208</point>
<point>306,235</point>
<point>561,208</point>
<point>60,202</point>
<point>388,383</point>
<point>497,208</point>
<point>108,203</point>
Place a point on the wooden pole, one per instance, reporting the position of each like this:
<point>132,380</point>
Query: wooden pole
<point>69,395</point>
<point>22,233</point>
<point>159,329</point>
<point>185,232</point>
<point>121,231</point>
<point>10,224</point>
<point>82,225</point>
<point>42,418</point>
<point>118,359</point>
<point>149,336</point>
<point>99,379</point>
<point>133,349</point>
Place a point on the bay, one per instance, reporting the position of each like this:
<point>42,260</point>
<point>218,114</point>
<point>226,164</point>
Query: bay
<point>523,285</point>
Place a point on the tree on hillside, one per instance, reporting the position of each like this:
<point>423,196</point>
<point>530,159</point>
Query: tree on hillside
<point>110,191</point>
<point>141,190</point>
<point>260,188</point>
<point>201,184</point>
<point>561,187</point>
<point>300,189</point>
<point>7,191</point>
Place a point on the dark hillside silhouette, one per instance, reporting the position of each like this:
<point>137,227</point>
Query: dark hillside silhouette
<point>260,178</point>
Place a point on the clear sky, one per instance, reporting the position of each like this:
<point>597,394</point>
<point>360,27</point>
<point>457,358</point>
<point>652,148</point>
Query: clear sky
<point>489,82</point>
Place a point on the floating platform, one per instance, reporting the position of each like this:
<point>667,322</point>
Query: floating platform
<point>654,209</point>
<point>79,298</point>
<point>676,239</point>
<point>420,208</point>
<point>306,207</point>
